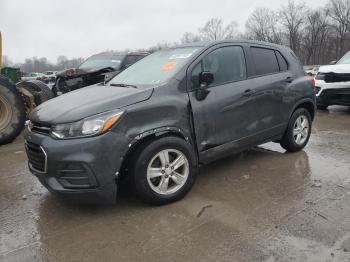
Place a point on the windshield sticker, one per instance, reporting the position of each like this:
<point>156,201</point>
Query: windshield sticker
<point>182,56</point>
<point>168,66</point>
<point>116,61</point>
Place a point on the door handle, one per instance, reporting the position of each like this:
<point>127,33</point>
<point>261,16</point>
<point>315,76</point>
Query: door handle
<point>289,79</point>
<point>248,92</point>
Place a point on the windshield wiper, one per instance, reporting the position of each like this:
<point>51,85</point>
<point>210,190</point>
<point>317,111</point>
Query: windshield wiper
<point>123,85</point>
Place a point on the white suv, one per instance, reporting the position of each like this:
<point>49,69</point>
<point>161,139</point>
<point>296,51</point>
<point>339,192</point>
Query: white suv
<point>332,84</point>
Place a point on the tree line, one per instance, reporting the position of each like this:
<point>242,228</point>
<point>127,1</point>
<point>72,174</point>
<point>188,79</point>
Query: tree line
<point>36,64</point>
<point>316,35</point>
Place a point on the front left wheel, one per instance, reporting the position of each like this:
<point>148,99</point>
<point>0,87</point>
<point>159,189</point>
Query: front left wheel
<point>164,170</point>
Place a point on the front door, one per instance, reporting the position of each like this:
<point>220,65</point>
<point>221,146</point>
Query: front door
<point>228,113</point>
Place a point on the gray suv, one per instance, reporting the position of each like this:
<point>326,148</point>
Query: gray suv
<point>158,120</point>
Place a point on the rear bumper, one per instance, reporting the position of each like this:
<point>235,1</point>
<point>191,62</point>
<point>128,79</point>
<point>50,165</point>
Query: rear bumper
<point>333,93</point>
<point>83,169</point>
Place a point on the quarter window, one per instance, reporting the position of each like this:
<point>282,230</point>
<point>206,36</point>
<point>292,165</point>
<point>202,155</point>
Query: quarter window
<point>227,64</point>
<point>265,61</point>
<point>282,62</point>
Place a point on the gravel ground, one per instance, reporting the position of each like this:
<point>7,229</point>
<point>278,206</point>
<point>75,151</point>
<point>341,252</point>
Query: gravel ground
<point>260,205</point>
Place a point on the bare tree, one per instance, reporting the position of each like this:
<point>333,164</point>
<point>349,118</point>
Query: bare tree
<point>292,18</point>
<point>159,46</point>
<point>339,11</point>
<point>316,34</point>
<point>215,29</point>
<point>64,63</point>
<point>189,37</point>
<point>263,25</point>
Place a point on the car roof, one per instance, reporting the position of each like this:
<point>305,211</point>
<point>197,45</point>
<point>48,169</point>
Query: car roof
<point>212,43</point>
<point>111,53</point>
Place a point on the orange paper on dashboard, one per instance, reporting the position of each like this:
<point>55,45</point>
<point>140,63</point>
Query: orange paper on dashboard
<point>168,66</point>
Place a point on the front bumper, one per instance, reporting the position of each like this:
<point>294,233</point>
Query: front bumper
<point>337,93</point>
<point>83,169</point>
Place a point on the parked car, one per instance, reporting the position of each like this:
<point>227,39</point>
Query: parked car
<point>332,84</point>
<point>95,69</point>
<point>32,76</point>
<point>158,120</point>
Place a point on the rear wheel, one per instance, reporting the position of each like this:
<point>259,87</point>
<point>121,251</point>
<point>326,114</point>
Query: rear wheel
<point>12,111</point>
<point>298,131</point>
<point>164,170</point>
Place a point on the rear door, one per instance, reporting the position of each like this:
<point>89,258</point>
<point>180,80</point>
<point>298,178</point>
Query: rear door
<point>271,80</point>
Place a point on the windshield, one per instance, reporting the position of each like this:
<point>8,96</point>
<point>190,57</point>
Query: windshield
<point>156,68</point>
<point>102,61</point>
<point>345,59</point>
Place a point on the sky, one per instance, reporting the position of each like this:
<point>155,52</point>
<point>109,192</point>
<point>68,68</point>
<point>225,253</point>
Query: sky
<point>80,28</point>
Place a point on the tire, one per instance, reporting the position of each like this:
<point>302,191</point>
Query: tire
<point>38,89</point>
<point>290,140</point>
<point>149,189</point>
<point>12,111</point>
<point>322,107</point>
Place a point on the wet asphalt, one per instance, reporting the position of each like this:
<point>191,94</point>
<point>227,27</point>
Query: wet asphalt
<point>260,205</point>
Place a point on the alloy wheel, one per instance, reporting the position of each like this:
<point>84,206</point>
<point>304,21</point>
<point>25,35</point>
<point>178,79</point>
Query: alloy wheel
<point>301,129</point>
<point>168,171</point>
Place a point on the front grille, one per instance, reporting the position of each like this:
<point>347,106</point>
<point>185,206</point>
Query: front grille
<point>40,128</point>
<point>333,77</point>
<point>37,158</point>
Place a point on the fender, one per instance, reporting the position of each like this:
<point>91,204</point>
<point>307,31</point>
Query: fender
<point>302,101</point>
<point>148,134</point>
<point>158,132</point>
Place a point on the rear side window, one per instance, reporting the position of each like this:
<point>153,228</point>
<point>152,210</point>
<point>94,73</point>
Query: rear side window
<point>282,62</point>
<point>227,64</point>
<point>265,61</point>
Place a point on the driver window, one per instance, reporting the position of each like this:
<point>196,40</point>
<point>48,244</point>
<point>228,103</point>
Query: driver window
<point>227,64</point>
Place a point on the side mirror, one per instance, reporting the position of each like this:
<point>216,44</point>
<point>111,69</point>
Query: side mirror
<point>205,79</point>
<point>333,62</point>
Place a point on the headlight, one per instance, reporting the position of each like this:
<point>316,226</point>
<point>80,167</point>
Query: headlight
<point>89,126</point>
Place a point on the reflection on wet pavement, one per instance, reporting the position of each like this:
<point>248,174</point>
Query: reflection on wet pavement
<point>260,205</point>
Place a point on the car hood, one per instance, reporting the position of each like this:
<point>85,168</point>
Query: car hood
<point>87,101</point>
<point>338,69</point>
